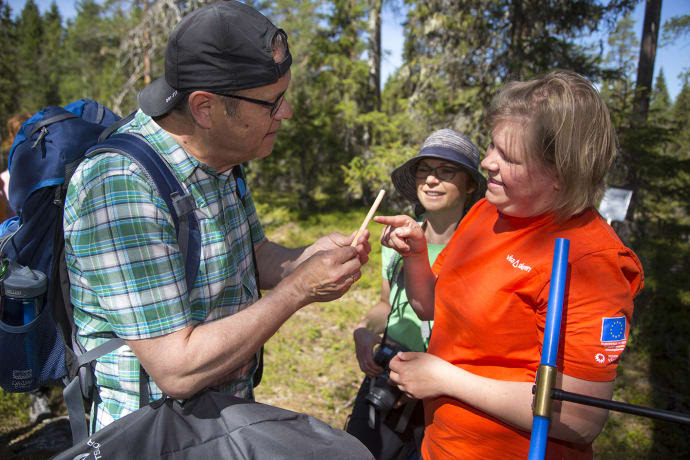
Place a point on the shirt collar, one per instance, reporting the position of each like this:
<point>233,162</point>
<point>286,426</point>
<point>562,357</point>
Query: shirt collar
<point>181,162</point>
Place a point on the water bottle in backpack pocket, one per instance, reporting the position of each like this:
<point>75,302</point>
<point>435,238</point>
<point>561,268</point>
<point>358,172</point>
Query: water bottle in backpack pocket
<point>34,354</point>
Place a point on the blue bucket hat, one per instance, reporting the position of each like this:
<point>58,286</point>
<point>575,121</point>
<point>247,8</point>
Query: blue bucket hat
<point>448,145</point>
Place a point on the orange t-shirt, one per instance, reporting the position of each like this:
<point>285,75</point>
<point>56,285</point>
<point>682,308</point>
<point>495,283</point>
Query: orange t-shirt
<point>491,301</point>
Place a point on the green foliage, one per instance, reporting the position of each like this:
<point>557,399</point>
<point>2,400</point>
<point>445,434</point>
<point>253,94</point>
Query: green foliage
<point>676,27</point>
<point>8,65</point>
<point>329,94</point>
<point>91,45</point>
<point>51,61</point>
<point>29,75</point>
<point>680,119</point>
<point>660,104</point>
<point>622,56</point>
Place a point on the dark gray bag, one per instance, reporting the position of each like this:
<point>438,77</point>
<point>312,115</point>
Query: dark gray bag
<point>217,425</point>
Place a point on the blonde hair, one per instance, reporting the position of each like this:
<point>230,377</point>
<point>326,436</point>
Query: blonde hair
<point>567,129</point>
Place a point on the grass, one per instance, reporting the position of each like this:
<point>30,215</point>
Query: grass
<point>310,364</point>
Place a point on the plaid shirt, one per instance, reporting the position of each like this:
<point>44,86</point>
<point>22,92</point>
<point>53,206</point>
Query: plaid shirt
<point>126,271</point>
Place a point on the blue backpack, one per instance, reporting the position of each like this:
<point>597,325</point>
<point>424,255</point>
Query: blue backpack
<point>46,151</point>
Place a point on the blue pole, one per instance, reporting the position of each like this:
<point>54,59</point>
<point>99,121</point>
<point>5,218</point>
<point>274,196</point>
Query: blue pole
<point>547,369</point>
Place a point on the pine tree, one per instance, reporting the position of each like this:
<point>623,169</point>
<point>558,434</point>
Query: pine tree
<point>329,94</point>
<point>680,115</point>
<point>9,83</point>
<point>623,47</point>
<point>91,44</point>
<point>29,40</point>
<point>660,105</point>
<point>51,60</point>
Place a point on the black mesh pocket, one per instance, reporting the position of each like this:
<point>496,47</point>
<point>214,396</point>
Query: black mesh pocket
<point>31,355</point>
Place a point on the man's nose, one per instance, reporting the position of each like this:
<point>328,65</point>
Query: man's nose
<point>285,110</point>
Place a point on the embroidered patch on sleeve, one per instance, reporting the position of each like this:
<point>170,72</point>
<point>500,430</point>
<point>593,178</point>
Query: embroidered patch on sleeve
<point>613,329</point>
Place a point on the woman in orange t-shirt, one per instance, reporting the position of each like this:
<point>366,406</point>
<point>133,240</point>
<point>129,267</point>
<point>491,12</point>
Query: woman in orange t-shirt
<point>552,144</point>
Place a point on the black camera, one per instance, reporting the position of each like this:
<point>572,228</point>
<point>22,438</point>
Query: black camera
<point>381,394</point>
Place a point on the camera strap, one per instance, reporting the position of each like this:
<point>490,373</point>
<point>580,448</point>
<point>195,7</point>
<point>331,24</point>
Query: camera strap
<point>405,416</point>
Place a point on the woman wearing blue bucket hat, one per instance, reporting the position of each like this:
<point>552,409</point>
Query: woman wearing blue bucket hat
<point>442,182</point>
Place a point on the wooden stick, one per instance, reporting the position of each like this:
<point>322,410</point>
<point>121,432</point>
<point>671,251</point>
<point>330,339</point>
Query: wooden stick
<point>367,219</point>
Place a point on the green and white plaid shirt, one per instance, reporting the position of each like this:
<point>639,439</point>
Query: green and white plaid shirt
<point>126,272</point>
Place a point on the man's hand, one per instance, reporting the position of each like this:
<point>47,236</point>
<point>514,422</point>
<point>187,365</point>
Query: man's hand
<point>277,262</point>
<point>338,240</point>
<point>420,375</point>
<point>365,341</point>
<point>324,276</point>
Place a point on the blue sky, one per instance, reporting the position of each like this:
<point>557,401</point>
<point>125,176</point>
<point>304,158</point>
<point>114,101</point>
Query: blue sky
<point>673,59</point>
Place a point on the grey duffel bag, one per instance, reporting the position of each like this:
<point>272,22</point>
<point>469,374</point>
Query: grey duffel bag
<point>218,426</point>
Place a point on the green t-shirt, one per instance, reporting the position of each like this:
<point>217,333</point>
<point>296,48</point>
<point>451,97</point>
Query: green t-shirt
<point>404,327</point>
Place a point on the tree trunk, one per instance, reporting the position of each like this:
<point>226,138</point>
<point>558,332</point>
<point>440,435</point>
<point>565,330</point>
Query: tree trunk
<point>645,67</point>
<point>375,52</point>
<point>147,47</point>
<point>518,30</point>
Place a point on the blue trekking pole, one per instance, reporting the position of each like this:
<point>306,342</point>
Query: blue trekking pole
<point>546,374</point>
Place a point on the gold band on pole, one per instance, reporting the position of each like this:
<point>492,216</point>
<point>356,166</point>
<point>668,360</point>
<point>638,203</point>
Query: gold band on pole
<point>546,380</point>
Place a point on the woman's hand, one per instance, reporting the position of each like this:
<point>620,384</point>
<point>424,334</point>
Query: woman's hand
<point>365,341</point>
<point>420,375</point>
<point>403,234</point>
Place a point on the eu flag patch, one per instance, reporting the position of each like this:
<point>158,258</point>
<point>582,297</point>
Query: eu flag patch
<point>613,329</point>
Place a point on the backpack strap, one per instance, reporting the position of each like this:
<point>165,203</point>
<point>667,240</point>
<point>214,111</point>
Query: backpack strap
<point>50,121</point>
<point>180,204</point>
<point>41,126</point>
<point>115,126</point>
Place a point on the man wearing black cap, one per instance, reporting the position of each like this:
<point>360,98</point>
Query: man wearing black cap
<point>219,104</point>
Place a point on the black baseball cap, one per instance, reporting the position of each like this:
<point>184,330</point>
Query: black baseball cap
<point>221,47</point>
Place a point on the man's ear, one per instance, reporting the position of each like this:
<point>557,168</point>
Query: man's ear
<point>201,108</point>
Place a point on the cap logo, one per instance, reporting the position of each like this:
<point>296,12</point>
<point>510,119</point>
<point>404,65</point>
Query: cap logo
<point>167,99</point>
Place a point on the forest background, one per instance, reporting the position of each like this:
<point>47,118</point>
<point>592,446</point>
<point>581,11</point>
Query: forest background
<point>348,132</point>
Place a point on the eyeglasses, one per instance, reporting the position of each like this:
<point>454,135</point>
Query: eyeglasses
<point>445,173</point>
<point>275,105</point>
